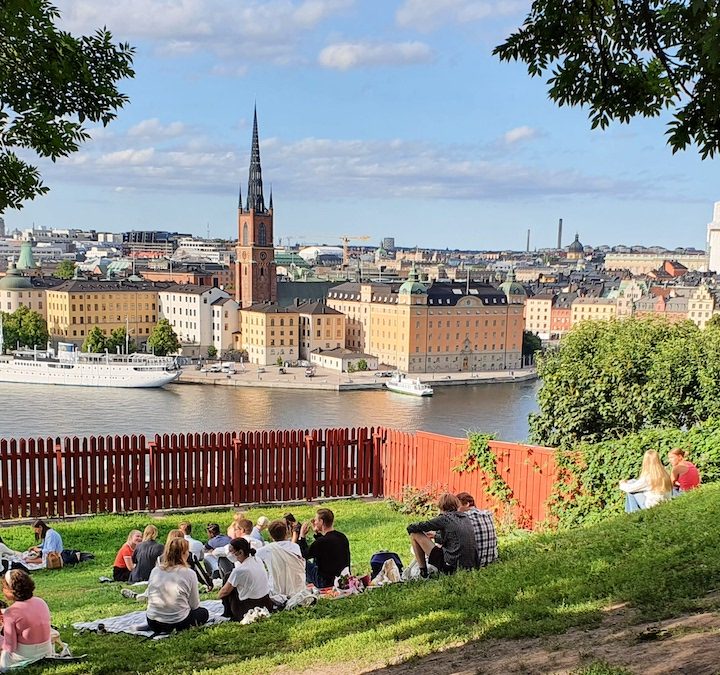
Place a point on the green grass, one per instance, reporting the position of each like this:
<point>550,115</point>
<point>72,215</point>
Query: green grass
<point>662,561</point>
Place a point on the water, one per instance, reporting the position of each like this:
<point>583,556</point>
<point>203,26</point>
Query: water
<point>39,410</point>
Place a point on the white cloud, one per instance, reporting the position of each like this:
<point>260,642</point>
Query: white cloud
<point>346,55</point>
<point>428,15</point>
<point>519,134</point>
<point>153,128</point>
<point>251,30</point>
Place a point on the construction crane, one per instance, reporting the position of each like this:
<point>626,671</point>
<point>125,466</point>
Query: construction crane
<point>346,239</point>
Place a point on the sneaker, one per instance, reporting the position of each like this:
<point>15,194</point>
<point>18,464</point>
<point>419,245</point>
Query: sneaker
<point>127,593</point>
<point>105,580</point>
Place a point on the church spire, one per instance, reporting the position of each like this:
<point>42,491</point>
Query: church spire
<point>255,200</point>
<point>270,205</point>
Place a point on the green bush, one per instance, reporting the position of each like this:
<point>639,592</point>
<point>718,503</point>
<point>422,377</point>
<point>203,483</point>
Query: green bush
<point>418,501</point>
<point>587,490</point>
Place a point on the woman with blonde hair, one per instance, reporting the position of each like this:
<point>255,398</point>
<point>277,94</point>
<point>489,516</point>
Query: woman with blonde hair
<point>145,555</point>
<point>123,565</point>
<point>173,598</point>
<point>650,488</point>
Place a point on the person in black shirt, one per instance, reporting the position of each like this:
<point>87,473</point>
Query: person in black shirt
<point>145,555</point>
<point>329,553</point>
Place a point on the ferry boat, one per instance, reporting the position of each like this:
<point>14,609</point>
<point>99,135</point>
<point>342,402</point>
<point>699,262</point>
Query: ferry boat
<point>401,384</point>
<point>71,367</point>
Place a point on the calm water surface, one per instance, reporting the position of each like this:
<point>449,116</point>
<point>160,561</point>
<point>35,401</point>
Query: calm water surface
<point>40,410</point>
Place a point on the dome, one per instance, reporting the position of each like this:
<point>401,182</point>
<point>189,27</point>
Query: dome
<point>412,286</point>
<point>576,246</point>
<point>13,280</point>
<point>26,260</point>
<point>510,286</point>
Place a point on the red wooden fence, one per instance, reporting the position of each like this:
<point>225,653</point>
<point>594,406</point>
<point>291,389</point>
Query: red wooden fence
<point>423,459</point>
<point>64,476</point>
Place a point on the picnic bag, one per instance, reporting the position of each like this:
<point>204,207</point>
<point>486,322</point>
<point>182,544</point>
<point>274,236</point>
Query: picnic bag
<point>378,560</point>
<point>53,560</point>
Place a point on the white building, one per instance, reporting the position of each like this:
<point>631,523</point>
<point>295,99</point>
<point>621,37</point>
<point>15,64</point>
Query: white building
<point>225,322</point>
<point>713,240</point>
<point>211,250</point>
<point>189,309</point>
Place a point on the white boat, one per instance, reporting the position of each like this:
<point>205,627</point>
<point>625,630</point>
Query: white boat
<point>401,384</point>
<point>71,367</point>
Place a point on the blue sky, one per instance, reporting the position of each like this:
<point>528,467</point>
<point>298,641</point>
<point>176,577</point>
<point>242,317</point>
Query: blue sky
<point>377,117</point>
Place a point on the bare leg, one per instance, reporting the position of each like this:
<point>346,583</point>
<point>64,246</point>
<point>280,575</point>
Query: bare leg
<point>421,545</point>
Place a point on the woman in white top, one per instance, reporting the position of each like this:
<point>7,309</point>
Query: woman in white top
<point>172,593</point>
<point>247,586</point>
<point>650,488</point>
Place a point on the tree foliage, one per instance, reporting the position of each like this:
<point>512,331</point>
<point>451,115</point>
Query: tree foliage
<point>609,379</point>
<point>95,342</point>
<point>163,340</point>
<point>117,340</point>
<point>51,83</point>
<point>65,270</point>
<point>24,327</point>
<point>630,58</point>
<point>531,343</point>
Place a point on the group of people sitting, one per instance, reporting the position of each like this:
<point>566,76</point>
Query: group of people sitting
<point>656,484</point>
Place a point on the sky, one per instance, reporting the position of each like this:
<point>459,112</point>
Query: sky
<point>377,118</point>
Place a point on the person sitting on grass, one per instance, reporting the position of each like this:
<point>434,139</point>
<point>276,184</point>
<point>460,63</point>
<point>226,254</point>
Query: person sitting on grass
<point>49,540</point>
<point>244,529</point>
<point>283,560</point>
<point>197,548</point>
<point>247,586</point>
<point>684,474</point>
<point>216,540</point>
<point>26,623</point>
<point>172,594</point>
<point>456,547</point>
<point>483,527</point>
<point>123,564</point>
<point>329,554</point>
<point>262,524</point>
<point>145,555</point>
<point>650,488</point>
<point>239,515</point>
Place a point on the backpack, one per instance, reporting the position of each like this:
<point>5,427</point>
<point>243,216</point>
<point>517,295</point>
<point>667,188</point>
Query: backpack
<point>378,560</point>
<point>53,560</point>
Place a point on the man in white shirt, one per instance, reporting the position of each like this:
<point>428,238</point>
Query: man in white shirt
<point>283,560</point>
<point>197,548</point>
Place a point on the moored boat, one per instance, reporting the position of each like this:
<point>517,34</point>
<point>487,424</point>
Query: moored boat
<point>401,384</point>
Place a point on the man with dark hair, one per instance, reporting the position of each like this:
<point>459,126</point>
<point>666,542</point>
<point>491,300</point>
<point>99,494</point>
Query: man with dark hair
<point>483,527</point>
<point>197,548</point>
<point>455,547</point>
<point>283,560</point>
<point>216,540</point>
<point>330,552</point>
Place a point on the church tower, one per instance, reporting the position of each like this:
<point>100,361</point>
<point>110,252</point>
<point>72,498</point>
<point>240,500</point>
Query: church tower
<point>255,274</point>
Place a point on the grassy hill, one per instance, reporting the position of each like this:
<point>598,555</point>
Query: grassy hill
<point>663,562</point>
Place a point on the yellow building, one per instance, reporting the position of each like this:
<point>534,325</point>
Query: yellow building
<point>584,309</point>
<point>268,332</point>
<point>321,327</point>
<point>77,306</point>
<point>445,327</point>
<point>538,314</point>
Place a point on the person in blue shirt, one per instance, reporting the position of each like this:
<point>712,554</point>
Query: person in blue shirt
<point>49,539</point>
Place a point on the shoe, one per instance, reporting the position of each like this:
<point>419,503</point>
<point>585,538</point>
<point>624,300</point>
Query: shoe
<point>127,593</point>
<point>105,580</point>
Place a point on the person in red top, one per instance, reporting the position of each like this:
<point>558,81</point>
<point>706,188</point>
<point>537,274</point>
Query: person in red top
<point>26,623</point>
<point>684,474</point>
<point>123,564</point>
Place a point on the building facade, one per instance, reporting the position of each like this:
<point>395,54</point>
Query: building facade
<point>321,328</point>
<point>270,332</point>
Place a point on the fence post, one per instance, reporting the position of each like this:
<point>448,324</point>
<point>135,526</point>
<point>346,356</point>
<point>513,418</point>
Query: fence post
<point>60,478</point>
<point>152,487</point>
<point>310,468</point>
<point>377,472</point>
<point>238,474</point>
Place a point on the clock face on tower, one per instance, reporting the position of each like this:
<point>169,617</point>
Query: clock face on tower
<point>263,255</point>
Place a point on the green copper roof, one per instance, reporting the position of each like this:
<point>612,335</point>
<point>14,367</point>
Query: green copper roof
<point>13,280</point>
<point>26,261</point>
<point>412,286</point>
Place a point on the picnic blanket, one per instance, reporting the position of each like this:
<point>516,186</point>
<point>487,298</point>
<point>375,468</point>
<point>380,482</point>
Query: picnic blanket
<point>135,623</point>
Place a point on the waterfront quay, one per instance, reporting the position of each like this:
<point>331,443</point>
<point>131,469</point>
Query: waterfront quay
<point>272,377</point>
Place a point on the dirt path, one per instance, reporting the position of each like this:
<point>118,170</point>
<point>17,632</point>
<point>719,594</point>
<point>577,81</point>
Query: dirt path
<point>687,645</point>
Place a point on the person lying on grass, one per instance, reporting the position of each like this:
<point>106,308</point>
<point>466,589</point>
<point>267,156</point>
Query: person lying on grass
<point>650,488</point>
<point>247,586</point>
<point>329,554</point>
<point>172,593</point>
<point>456,548</point>
<point>123,564</point>
<point>283,561</point>
<point>26,623</point>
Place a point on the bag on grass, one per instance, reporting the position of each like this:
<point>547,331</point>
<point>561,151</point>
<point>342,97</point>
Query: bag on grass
<point>53,560</point>
<point>378,560</point>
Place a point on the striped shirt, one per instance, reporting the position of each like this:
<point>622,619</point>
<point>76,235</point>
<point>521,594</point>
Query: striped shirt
<point>485,536</point>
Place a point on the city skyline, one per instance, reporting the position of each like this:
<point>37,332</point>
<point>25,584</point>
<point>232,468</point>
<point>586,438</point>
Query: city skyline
<point>379,119</point>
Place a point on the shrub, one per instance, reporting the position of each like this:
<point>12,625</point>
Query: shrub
<point>418,501</point>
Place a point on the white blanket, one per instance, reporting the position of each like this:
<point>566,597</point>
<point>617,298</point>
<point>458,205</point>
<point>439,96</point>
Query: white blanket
<point>135,623</point>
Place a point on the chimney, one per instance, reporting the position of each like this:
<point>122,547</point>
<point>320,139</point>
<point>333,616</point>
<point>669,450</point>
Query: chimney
<point>528,241</point>
<point>559,234</point>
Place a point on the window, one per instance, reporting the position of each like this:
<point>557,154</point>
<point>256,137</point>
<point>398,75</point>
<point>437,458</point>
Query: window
<point>262,235</point>
<point>245,237</point>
